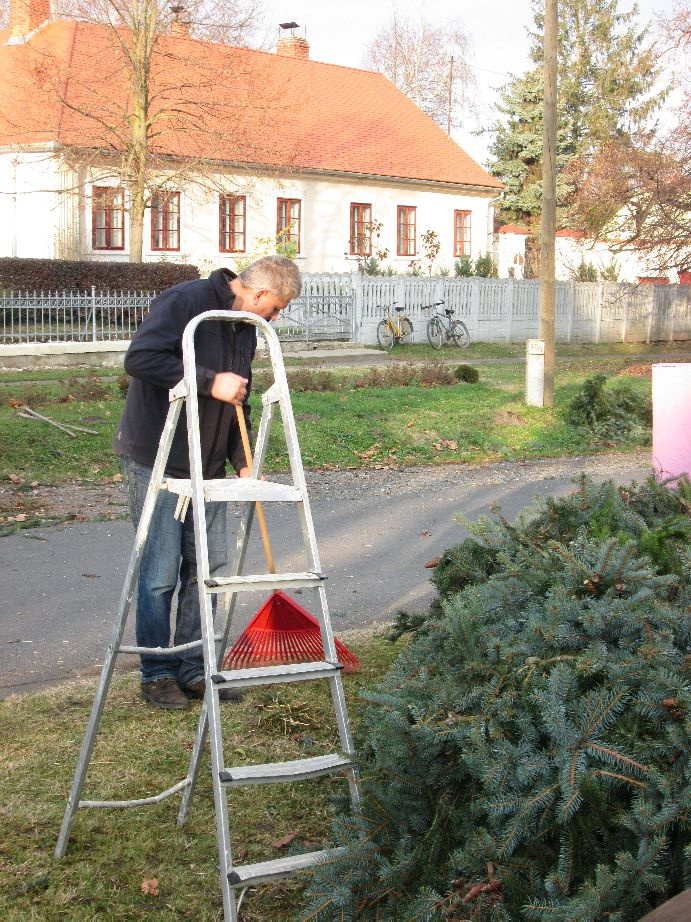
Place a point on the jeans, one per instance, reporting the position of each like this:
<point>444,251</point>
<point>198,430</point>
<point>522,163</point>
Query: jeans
<point>169,559</point>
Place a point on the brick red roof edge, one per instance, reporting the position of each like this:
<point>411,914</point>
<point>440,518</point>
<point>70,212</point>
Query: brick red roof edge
<point>258,108</point>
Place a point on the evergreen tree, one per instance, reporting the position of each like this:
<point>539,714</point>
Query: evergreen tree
<point>606,76</point>
<point>528,755</point>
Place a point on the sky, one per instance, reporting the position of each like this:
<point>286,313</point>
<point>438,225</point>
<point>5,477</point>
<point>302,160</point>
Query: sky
<point>339,32</point>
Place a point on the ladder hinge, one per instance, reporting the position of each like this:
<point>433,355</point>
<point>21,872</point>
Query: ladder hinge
<point>178,392</point>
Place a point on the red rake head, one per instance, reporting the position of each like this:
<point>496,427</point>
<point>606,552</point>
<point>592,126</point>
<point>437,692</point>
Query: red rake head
<point>283,632</point>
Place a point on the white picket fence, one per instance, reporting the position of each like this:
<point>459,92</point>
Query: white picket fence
<point>496,310</point>
<point>349,307</point>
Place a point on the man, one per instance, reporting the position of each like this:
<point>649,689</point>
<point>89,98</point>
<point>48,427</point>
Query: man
<point>224,354</point>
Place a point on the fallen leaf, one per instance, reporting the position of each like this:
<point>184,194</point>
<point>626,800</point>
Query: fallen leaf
<point>241,854</point>
<point>34,483</point>
<point>408,425</point>
<point>286,840</point>
<point>15,479</point>
<point>117,478</point>
<point>431,564</point>
<point>21,517</point>
<point>14,403</point>
<point>425,533</point>
<point>451,444</point>
<point>150,887</point>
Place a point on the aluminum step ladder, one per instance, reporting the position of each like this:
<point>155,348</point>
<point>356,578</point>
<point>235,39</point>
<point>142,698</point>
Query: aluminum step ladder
<point>246,491</point>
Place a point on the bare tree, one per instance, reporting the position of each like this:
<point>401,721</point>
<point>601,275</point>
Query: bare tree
<point>152,106</point>
<point>429,62</point>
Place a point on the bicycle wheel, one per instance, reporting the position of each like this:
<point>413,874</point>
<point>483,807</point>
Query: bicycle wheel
<point>406,336</point>
<point>460,334</point>
<point>435,333</point>
<point>385,335</point>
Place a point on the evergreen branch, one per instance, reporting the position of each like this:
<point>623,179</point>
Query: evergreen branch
<point>618,756</point>
<point>603,773</point>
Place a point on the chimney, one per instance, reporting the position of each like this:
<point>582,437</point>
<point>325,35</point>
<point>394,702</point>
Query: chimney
<point>292,46</point>
<point>26,16</point>
<point>180,26</point>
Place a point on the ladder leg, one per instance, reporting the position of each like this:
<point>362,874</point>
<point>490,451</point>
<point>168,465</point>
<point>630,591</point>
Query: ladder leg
<point>124,607</point>
<point>202,725</point>
<point>241,544</point>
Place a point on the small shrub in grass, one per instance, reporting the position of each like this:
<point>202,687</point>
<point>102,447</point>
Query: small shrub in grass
<point>406,374</point>
<point>528,755</point>
<point>466,373</point>
<point>124,384</point>
<point>610,413</point>
<point>312,379</point>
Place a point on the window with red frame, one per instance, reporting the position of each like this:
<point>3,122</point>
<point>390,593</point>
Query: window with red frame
<point>165,221</point>
<point>461,233</point>
<point>231,221</point>
<point>288,221</point>
<point>108,218</point>
<point>360,229</point>
<point>405,245</point>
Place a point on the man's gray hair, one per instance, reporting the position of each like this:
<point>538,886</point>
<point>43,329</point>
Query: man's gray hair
<point>277,274</point>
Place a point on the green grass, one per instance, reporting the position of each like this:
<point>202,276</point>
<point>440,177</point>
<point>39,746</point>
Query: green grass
<point>478,350</point>
<point>343,428</point>
<point>140,752</point>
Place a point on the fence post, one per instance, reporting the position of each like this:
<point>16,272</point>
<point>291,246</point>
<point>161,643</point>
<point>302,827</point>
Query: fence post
<point>93,313</point>
<point>651,310</point>
<point>509,289</point>
<point>625,321</point>
<point>598,313</point>
<point>475,307</point>
<point>355,284</point>
<point>672,306</point>
<point>571,310</point>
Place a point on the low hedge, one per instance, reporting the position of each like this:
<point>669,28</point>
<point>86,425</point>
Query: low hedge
<point>71,275</point>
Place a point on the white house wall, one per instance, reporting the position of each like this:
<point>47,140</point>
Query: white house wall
<point>325,212</point>
<point>29,204</point>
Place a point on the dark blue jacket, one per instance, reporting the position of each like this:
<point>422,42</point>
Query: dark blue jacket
<point>154,361</point>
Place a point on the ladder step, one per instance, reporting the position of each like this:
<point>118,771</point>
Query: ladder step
<point>246,875</point>
<point>270,675</point>
<point>278,772</point>
<point>264,581</point>
<point>237,490</point>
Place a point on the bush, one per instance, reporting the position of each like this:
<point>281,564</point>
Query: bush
<point>528,755</point>
<point>406,374</point>
<point>463,267</point>
<point>68,275</point>
<point>610,414</point>
<point>466,373</point>
<point>485,267</point>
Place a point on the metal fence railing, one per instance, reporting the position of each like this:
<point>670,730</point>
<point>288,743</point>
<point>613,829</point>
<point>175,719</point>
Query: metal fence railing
<point>71,316</point>
<point>349,306</point>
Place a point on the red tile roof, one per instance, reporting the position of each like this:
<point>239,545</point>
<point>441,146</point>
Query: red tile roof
<point>570,232</point>
<point>224,104</point>
<point>512,229</point>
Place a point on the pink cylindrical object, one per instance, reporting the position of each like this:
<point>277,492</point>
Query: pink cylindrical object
<point>672,420</point>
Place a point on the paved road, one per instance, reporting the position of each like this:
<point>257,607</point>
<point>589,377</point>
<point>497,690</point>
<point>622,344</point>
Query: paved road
<point>60,586</point>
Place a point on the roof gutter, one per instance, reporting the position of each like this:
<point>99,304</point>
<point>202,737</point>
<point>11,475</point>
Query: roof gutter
<point>305,171</point>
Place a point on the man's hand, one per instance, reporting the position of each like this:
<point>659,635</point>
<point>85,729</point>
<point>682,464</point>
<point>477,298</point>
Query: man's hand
<point>244,472</point>
<point>229,387</point>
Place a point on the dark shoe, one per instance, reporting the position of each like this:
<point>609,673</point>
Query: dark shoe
<point>197,689</point>
<point>165,693</point>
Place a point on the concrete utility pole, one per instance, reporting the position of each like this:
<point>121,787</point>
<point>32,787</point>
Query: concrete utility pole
<point>548,224</point>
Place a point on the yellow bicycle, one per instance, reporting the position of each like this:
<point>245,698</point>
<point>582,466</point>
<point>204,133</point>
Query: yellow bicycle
<point>394,329</point>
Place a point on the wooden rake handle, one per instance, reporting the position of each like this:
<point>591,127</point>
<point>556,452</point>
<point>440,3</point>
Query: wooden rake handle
<point>260,511</point>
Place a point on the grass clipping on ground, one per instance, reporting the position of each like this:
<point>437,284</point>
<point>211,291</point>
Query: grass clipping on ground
<point>137,863</point>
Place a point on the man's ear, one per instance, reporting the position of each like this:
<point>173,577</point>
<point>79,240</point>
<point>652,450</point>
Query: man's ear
<point>259,294</point>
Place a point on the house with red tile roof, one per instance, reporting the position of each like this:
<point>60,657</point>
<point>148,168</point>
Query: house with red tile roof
<point>245,145</point>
